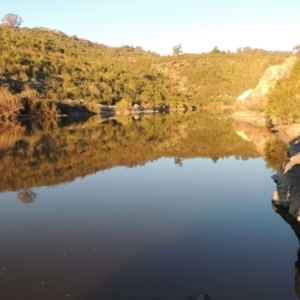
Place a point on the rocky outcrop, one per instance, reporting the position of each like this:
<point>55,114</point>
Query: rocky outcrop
<point>288,182</point>
<point>268,81</point>
<point>252,100</point>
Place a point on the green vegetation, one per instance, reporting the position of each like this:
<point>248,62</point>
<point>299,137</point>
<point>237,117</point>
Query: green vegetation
<point>217,78</point>
<point>53,152</point>
<point>283,105</point>
<point>47,66</point>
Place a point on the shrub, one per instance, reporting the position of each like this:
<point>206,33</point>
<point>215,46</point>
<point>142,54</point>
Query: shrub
<point>9,104</point>
<point>284,99</point>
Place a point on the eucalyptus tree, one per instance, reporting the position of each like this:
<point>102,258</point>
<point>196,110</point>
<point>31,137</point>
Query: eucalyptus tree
<point>177,50</point>
<point>13,22</point>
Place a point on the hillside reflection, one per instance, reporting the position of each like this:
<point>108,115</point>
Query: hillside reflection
<point>56,152</point>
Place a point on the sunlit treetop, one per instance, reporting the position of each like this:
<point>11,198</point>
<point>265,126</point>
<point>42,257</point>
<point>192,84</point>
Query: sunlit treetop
<point>12,21</point>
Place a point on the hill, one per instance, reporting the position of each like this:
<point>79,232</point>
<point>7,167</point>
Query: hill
<point>41,65</point>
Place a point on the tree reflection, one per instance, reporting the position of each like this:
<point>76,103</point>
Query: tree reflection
<point>55,154</point>
<point>275,153</point>
<point>27,196</point>
<point>10,133</point>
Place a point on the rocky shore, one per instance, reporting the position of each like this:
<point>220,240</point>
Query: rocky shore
<point>198,297</point>
<point>287,180</point>
<point>139,110</point>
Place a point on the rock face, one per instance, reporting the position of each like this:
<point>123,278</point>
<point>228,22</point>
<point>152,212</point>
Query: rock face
<point>250,101</point>
<point>288,182</point>
<point>268,81</point>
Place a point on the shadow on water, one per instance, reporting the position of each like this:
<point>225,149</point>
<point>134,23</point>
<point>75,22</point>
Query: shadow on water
<point>212,255</point>
<point>295,225</point>
<point>286,198</point>
<point>158,272</point>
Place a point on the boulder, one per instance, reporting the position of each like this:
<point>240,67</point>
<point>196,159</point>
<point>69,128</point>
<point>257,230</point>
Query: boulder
<point>288,182</point>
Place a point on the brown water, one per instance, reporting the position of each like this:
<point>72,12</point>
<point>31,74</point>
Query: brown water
<point>160,208</point>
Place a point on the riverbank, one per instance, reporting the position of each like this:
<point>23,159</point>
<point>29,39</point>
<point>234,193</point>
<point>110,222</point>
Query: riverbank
<point>287,180</point>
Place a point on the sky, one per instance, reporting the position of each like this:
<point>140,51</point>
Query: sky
<point>159,25</point>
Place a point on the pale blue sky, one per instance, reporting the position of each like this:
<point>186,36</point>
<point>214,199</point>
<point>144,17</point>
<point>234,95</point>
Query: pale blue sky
<point>158,25</point>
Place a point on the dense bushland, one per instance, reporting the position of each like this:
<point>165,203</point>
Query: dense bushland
<point>48,66</point>
<point>283,105</point>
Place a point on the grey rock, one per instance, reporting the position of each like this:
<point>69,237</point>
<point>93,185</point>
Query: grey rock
<point>199,297</point>
<point>288,182</point>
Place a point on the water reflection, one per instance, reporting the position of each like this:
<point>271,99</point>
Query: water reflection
<point>286,198</point>
<point>50,153</point>
<point>165,229</point>
<point>10,133</point>
<point>27,196</point>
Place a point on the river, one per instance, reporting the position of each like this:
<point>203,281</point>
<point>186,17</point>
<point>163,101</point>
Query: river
<point>157,208</point>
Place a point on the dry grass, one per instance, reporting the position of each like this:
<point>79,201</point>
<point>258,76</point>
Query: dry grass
<point>9,104</point>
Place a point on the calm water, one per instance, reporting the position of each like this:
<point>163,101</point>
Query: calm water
<point>147,229</point>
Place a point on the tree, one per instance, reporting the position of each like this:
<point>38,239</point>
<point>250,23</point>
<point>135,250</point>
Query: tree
<point>215,50</point>
<point>177,50</point>
<point>12,21</point>
<point>296,50</point>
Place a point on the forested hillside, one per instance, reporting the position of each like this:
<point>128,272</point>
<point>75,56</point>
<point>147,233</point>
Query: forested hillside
<point>43,66</point>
